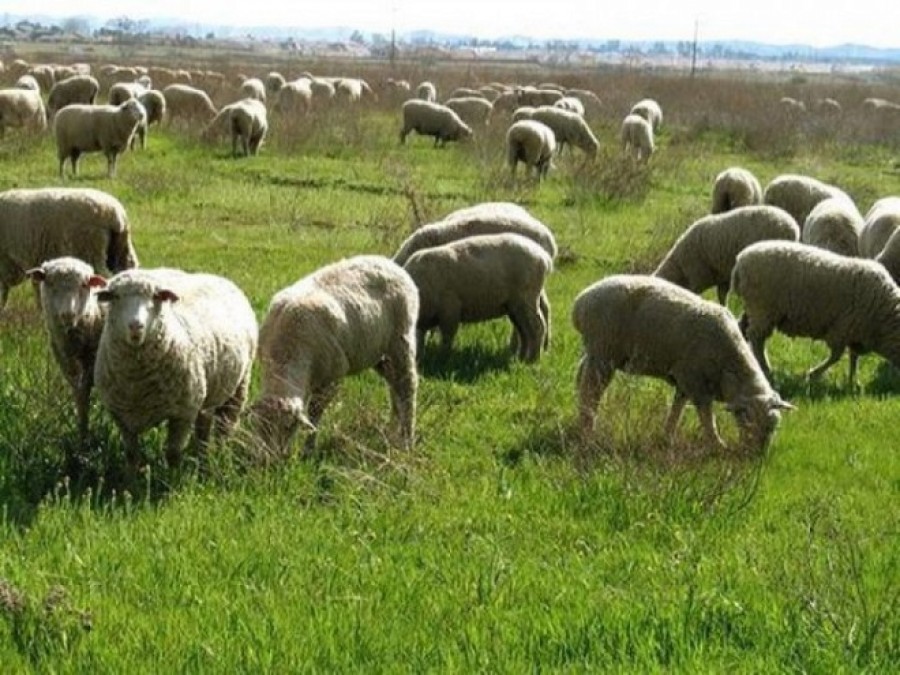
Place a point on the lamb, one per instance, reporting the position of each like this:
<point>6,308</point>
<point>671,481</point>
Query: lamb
<point>532,143</point>
<point>735,187</point>
<point>649,326</point>
<point>41,224</point>
<point>77,89</point>
<point>650,110</point>
<point>481,278</point>
<point>798,194</point>
<point>426,91</point>
<point>882,220</point>
<point>253,87</point>
<point>805,291</point>
<point>433,119</point>
<point>473,110</point>
<point>189,103</point>
<point>175,347</point>
<point>349,316</point>
<point>74,320</point>
<point>835,225</point>
<point>568,127</point>
<point>104,128</point>
<point>22,108</point>
<point>637,137</point>
<point>247,122</point>
<point>704,254</point>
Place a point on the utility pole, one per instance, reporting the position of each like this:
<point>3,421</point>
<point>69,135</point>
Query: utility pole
<point>393,55</point>
<point>694,48</point>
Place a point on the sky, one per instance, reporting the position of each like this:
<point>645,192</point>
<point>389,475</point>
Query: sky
<point>819,23</point>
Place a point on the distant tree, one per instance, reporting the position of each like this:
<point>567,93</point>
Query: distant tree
<point>77,24</point>
<point>357,37</point>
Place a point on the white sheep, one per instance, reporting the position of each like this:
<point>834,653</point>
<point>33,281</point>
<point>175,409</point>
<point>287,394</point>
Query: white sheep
<point>735,187</point>
<point>353,90</point>
<point>122,91</point>
<point>480,278</point>
<point>432,119</point>
<point>806,291</point>
<point>253,87</point>
<point>426,91</point>
<point>342,319</point>
<point>589,100</point>
<point>295,97</point>
<point>96,128</point>
<point>882,220</point>
<point>273,82</point>
<point>835,225</point>
<point>798,195</point>
<point>524,112</point>
<point>324,91</point>
<point>45,223</point>
<point>570,103</point>
<point>28,82</point>
<point>22,108</point>
<point>74,321</point>
<point>650,110</point>
<point>532,143</point>
<point>247,123</point>
<point>77,89</point>
<point>637,137</point>
<point>473,110</point>
<point>704,255</point>
<point>648,326</point>
<point>568,127</point>
<point>175,347</point>
<point>531,96</point>
<point>189,103</point>
<point>155,107</point>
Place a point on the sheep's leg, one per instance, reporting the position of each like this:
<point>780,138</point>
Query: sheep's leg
<point>448,324</point>
<point>675,412</point>
<point>544,307</point>
<point>592,380</point>
<point>399,371</point>
<point>854,363</point>
<point>318,401</point>
<point>722,293</point>
<point>530,327</point>
<point>227,414</point>
<point>708,422</point>
<point>833,357</point>
<point>178,436</point>
<point>83,406</point>
<point>4,295</point>
<point>757,337</point>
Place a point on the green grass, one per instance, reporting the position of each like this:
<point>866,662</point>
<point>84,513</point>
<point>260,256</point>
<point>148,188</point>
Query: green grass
<point>501,544</point>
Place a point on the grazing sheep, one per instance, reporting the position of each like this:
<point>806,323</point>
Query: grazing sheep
<point>175,347</point>
<point>735,187</point>
<point>464,92</point>
<point>28,82</point>
<point>325,91</point>
<point>101,128</point>
<point>650,110</point>
<point>426,91</point>
<point>432,119</point>
<point>835,225</point>
<point>295,97</point>
<point>805,291</point>
<point>828,107</point>
<point>123,91</point>
<point>43,75</point>
<point>273,83</point>
<point>77,89</point>
<point>589,100</point>
<point>22,108</point>
<point>792,108</point>
<point>253,87</point>
<point>246,121</point>
<point>155,106</point>
<point>798,195</point>
<point>571,104</point>
<point>532,143</point>
<point>637,137</point>
<point>489,92</point>
<point>507,101</point>
<point>525,112</point>
<point>353,90</point>
<point>568,127</point>
<point>41,224</point>
<point>479,278</point>
<point>704,254</point>
<point>188,103</point>
<point>397,90</point>
<point>889,257</point>
<point>648,326</point>
<point>74,320</point>
<point>882,220</point>
<point>345,318</point>
<point>529,96</point>
<point>473,110</point>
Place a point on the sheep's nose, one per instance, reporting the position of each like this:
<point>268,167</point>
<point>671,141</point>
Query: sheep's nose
<point>67,316</point>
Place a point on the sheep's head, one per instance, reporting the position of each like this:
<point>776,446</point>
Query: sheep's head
<point>135,307</point>
<point>67,288</point>
<point>758,417</point>
<point>276,420</point>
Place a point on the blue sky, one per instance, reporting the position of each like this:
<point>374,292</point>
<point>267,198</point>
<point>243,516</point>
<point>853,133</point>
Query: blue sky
<point>871,22</point>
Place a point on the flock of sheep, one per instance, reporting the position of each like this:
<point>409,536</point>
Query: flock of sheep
<point>163,345</point>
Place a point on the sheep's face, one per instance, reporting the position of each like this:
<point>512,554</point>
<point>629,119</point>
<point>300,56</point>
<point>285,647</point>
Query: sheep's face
<point>277,420</point>
<point>758,418</point>
<point>67,291</point>
<point>134,314</point>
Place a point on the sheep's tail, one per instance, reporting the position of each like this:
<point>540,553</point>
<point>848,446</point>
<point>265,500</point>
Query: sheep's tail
<point>120,253</point>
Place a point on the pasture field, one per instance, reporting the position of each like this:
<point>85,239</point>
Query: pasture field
<point>501,544</point>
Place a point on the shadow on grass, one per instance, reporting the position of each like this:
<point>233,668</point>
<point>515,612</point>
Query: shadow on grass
<point>466,363</point>
<point>797,386</point>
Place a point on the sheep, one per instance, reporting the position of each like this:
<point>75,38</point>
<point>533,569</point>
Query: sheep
<point>40,224</point>
<point>426,91</point>
<point>325,91</point>
<point>834,224</point>
<point>253,87</point>
<point>273,82</point>
<point>571,104</point>
<point>122,91</point>
<point>806,291</point>
<point>735,187</point>
<point>507,101</point>
<point>22,108</point>
<point>532,143</point>
<point>828,107</point>
<point>792,108</point>
<point>155,106</point>
<point>530,96</point>
<point>473,110</point>
<point>479,278</point>
<point>77,89</point>
<point>74,321</point>
<point>397,90</point>
<point>294,97</point>
<point>568,127</point>
<point>524,112</point>
<point>889,257</point>
<point>106,128</point>
<point>43,75</point>
<point>650,110</point>
<point>704,255</point>
<point>489,93</point>
<point>342,319</point>
<point>649,326</point>
<point>353,89</point>
<point>587,98</point>
<point>189,103</point>
<point>637,137</point>
<point>247,123</point>
<point>175,347</point>
<point>798,194</point>
<point>881,221</point>
<point>432,119</point>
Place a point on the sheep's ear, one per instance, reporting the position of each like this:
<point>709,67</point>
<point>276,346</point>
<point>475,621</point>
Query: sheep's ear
<point>96,281</point>
<point>777,403</point>
<point>36,274</point>
<point>165,295</point>
<point>306,423</point>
